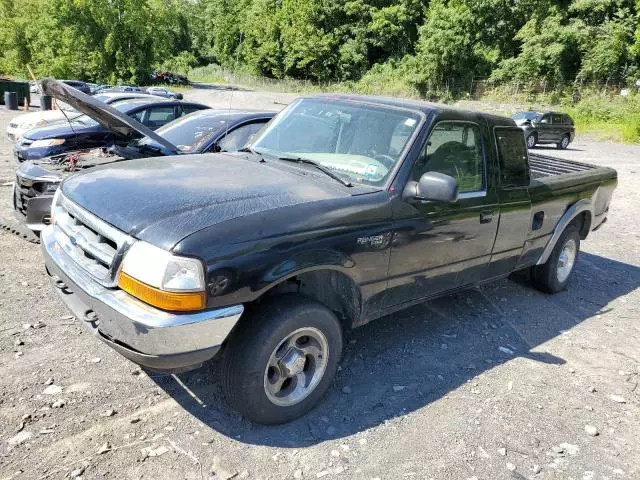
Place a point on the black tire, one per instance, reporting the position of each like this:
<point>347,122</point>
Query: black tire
<point>252,343</point>
<point>564,143</point>
<point>545,277</point>
<point>532,139</point>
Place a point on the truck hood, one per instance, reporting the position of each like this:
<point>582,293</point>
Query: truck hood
<point>165,199</point>
<point>122,125</point>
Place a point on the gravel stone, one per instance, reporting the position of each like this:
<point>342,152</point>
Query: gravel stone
<point>52,390</point>
<point>591,430</point>
<point>20,438</point>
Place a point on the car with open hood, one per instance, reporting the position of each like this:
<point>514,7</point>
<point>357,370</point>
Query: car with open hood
<point>62,115</point>
<point>342,210</point>
<point>85,132</point>
<point>199,132</point>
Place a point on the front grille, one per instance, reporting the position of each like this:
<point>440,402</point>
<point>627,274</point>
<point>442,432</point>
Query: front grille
<point>90,242</point>
<point>13,125</point>
<point>26,189</point>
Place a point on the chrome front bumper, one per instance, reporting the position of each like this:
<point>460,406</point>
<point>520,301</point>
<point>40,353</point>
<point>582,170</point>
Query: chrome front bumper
<point>146,335</point>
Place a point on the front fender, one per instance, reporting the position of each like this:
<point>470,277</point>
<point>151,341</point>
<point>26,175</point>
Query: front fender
<point>307,261</point>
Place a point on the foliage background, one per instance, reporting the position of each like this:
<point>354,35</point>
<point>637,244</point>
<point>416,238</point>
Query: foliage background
<point>425,45</point>
<point>553,51</point>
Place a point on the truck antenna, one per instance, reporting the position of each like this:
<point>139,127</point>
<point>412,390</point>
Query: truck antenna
<point>233,85</point>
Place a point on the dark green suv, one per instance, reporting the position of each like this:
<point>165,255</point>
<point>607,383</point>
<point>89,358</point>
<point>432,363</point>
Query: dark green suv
<point>546,127</point>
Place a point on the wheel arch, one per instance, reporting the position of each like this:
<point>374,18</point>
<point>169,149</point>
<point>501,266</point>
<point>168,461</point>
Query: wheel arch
<point>579,214</point>
<point>329,285</point>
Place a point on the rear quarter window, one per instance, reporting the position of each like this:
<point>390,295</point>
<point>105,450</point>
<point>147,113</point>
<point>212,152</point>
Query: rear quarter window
<point>512,156</point>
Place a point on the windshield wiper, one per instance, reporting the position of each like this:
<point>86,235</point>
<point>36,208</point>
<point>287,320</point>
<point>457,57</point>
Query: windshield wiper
<point>319,166</point>
<point>251,150</point>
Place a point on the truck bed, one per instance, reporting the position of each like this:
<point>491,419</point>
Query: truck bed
<point>566,175</point>
<point>546,166</point>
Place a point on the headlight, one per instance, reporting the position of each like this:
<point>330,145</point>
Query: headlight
<point>167,281</point>
<point>30,125</point>
<point>50,142</point>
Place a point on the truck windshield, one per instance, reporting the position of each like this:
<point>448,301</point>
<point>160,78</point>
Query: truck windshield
<point>359,142</point>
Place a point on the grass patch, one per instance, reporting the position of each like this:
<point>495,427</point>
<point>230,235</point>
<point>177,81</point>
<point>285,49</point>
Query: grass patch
<point>608,118</point>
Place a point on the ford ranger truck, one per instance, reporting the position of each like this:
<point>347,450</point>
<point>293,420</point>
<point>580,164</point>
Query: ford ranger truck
<point>343,210</point>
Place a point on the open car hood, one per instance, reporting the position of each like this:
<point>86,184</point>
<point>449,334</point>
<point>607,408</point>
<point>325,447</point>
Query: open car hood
<point>125,127</point>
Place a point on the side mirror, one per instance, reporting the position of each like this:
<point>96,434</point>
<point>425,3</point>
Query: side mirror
<point>432,186</point>
<point>179,96</point>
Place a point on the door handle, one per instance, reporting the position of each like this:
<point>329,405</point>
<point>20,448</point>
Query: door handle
<point>486,217</point>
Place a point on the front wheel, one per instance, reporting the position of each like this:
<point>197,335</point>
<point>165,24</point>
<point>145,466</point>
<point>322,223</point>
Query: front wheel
<point>564,143</point>
<point>554,275</point>
<point>281,359</point>
<point>532,140</point>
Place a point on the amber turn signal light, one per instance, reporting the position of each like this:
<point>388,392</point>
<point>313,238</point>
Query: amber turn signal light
<point>172,301</point>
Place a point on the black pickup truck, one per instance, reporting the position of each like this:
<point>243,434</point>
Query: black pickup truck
<point>343,210</point>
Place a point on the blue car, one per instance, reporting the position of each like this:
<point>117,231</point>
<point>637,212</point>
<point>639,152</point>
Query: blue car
<point>85,133</point>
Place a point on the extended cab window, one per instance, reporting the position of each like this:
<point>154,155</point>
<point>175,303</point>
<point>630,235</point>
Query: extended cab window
<point>454,149</point>
<point>512,153</point>
<point>558,119</point>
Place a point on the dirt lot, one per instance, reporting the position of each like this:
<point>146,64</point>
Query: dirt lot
<point>429,393</point>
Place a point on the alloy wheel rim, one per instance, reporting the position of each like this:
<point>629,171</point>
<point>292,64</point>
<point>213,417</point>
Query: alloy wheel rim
<point>296,366</point>
<point>531,141</point>
<point>566,260</point>
<point>565,142</point>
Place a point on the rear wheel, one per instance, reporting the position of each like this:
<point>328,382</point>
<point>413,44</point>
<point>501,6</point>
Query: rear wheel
<point>564,143</point>
<point>281,359</point>
<point>554,275</point>
<point>532,139</point>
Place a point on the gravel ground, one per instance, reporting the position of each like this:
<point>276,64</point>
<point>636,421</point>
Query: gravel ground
<point>499,382</point>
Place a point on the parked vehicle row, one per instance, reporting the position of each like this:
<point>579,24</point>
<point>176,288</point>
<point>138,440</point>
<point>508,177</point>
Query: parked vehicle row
<point>95,89</point>
<point>342,210</point>
<point>99,135</point>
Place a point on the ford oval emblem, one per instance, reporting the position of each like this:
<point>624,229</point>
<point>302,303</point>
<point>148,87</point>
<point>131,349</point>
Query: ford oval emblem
<point>73,240</point>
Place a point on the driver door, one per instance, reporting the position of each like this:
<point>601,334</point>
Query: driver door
<point>438,246</point>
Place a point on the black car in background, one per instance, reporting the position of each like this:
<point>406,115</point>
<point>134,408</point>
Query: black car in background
<point>207,131</point>
<point>85,133</point>
<point>546,127</point>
